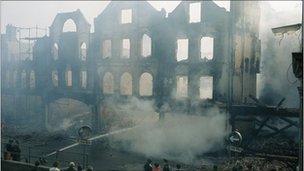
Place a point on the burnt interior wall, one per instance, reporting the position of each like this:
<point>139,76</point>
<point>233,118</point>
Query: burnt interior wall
<point>161,64</point>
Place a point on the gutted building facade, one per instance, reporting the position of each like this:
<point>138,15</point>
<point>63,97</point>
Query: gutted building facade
<point>196,55</point>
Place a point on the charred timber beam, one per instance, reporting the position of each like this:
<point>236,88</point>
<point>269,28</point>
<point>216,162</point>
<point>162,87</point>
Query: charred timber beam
<point>261,125</point>
<point>266,125</point>
<point>264,111</point>
<point>278,132</point>
<point>290,122</point>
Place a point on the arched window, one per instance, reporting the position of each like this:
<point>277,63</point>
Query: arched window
<point>68,76</point>
<point>32,80</point>
<point>126,84</point>
<point>108,83</point>
<point>15,78</point>
<point>55,51</point>
<point>55,78</point>
<point>146,84</point>
<point>206,87</point>
<point>83,51</point>
<point>181,86</point>
<point>83,79</point>
<point>146,46</point>
<point>207,48</point>
<point>23,79</point>
<point>69,26</point>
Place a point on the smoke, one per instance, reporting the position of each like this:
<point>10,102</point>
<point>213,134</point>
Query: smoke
<point>276,78</point>
<point>179,136</point>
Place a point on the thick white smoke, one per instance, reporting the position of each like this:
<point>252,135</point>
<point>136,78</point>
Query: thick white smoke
<point>277,79</point>
<point>179,136</point>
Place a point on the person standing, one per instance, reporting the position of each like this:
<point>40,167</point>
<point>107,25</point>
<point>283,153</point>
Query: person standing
<point>166,165</point>
<point>55,166</point>
<point>71,167</point>
<point>148,165</point>
<point>16,151</point>
<point>156,167</point>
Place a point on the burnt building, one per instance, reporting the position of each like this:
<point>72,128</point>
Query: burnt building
<point>195,56</point>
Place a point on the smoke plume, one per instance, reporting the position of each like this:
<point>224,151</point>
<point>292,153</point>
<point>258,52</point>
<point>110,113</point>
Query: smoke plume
<point>276,78</point>
<point>179,136</point>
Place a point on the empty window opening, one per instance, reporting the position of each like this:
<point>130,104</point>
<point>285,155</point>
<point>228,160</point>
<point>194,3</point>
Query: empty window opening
<point>181,86</point>
<point>68,77</point>
<point>126,16</point>
<point>182,49</point>
<point>108,83</point>
<point>126,84</point>
<point>55,51</point>
<point>258,85</point>
<point>146,46</point>
<point>195,12</point>
<point>146,84</point>
<point>83,79</point>
<point>207,48</point>
<point>83,52</point>
<point>106,49</point>
<point>32,80</point>
<point>23,79</point>
<point>206,87</point>
<point>55,78</point>
<point>126,48</point>
<point>69,26</point>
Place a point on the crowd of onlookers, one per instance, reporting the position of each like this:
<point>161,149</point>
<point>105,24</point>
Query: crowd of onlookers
<point>72,167</point>
<point>12,150</point>
<point>149,166</point>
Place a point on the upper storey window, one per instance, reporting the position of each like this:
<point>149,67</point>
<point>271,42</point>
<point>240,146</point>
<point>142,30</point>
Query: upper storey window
<point>69,26</point>
<point>195,12</point>
<point>126,48</point>
<point>182,49</point>
<point>126,16</point>
<point>83,52</point>
<point>55,51</point>
<point>207,48</point>
<point>106,48</point>
<point>146,46</point>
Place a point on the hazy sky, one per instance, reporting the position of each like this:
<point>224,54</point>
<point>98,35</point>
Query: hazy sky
<point>42,13</point>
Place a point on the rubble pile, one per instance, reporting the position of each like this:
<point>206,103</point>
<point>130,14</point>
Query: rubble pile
<point>275,145</point>
<point>258,164</point>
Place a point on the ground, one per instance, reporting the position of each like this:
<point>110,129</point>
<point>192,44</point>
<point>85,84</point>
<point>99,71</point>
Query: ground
<point>103,157</point>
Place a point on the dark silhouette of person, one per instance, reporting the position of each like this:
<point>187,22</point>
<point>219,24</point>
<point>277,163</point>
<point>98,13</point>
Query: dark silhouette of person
<point>178,167</point>
<point>166,165</point>
<point>9,146</point>
<point>16,151</point>
<point>72,167</point>
<point>36,168</point>
<point>148,165</point>
<point>156,167</point>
